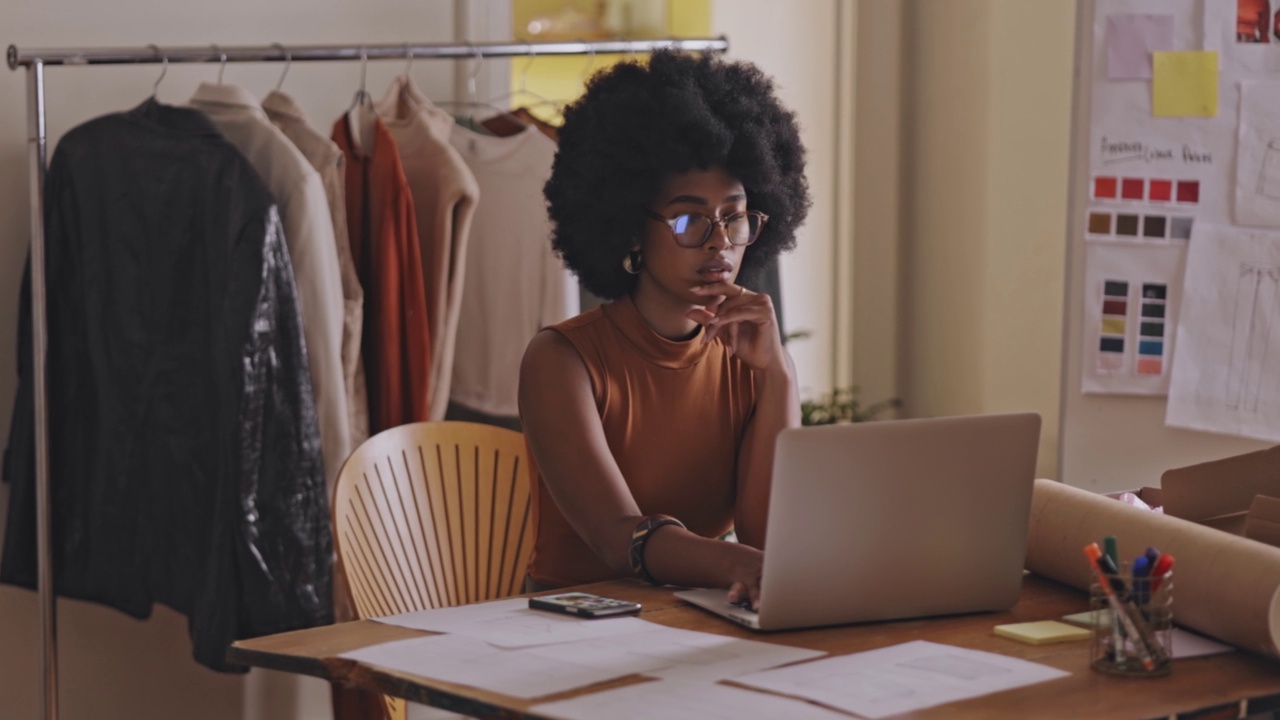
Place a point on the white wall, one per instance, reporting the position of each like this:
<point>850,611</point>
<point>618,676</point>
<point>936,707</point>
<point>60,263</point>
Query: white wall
<point>975,188</point>
<point>113,666</point>
<point>795,42</point>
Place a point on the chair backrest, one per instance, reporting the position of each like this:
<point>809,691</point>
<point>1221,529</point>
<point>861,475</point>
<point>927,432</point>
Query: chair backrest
<point>433,514</point>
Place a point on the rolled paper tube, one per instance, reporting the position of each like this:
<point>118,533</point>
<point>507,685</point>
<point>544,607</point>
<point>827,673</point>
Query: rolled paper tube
<point>1227,586</point>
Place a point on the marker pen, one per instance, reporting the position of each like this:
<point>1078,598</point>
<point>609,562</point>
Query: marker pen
<point>1119,611</point>
<point>1161,568</point>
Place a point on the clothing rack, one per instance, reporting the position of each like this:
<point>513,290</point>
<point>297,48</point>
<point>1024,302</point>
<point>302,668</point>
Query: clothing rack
<point>35,60</point>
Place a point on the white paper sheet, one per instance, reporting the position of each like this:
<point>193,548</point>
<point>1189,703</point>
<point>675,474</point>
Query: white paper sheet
<point>474,662</point>
<point>1148,176</point>
<point>674,700</point>
<point>1189,645</point>
<point>901,678</point>
<point>510,623</point>
<point>1226,374</point>
<point>1119,315</point>
<point>547,668</point>
<point>1130,41</point>
<point>662,651</point>
<point>1258,155</point>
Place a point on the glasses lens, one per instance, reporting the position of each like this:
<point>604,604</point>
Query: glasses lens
<point>745,228</point>
<point>690,230</point>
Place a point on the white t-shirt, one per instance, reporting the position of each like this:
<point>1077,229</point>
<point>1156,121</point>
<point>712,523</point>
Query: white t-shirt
<point>515,285</point>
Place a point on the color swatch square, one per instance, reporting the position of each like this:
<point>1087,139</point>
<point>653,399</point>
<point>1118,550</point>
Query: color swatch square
<point>1127,225</point>
<point>1189,191</point>
<point>1113,325</point>
<point>1154,291</point>
<point>1116,288</point>
<point>1180,228</point>
<point>1153,226</point>
<point>1111,344</point>
<point>1105,187</point>
<point>1152,310</point>
<point>1100,223</point>
<point>1133,188</point>
<point>1114,307</point>
<point>1151,329</point>
<point>1160,190</point>
<point>1150,366</point>
<point>1151,347</point>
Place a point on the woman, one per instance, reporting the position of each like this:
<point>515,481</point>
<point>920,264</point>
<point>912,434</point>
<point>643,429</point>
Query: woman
<point>651,420</point>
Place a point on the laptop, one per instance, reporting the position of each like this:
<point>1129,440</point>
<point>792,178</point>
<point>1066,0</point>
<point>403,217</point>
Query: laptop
<point>893,519</point>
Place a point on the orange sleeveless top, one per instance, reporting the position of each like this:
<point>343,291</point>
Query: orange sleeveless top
<point>674,414</point>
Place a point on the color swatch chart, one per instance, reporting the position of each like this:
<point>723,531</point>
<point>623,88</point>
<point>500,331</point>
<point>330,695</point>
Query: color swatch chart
<point>1148,315</point>
<point>1138,226</point>
<point>1151,190</point>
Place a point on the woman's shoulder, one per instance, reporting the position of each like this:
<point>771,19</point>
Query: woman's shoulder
<point>578,322</point>
<point>562,341</point>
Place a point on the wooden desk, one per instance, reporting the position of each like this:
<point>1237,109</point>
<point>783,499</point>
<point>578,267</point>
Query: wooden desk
<point>1194,684</point>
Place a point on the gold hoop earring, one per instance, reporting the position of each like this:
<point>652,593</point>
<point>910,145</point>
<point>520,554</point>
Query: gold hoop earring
<point>633,262</point>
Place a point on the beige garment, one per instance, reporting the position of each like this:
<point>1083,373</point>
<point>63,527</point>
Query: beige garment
<point>516,284</point>
<point>444,197</point>
<point>326,158</point>
<point>308,230</point>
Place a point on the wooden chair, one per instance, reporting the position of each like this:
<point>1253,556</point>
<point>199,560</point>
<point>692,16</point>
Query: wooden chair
<point>430,515</point>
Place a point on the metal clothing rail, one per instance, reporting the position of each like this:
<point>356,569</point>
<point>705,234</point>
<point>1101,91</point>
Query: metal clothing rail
<point>36,59</point>
<point>19,57</point>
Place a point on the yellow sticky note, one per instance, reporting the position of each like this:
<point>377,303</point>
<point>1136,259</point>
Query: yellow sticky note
<point>1043,632</point>
<point>1184,84</point>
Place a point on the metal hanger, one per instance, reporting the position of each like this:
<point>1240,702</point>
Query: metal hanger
<point>288,63</point>
<point>223,58</point>
<point>472,102</point>
<point>362,96</point>
<point>537,101</point>
<point>164,69</point>
<point>591,60</point>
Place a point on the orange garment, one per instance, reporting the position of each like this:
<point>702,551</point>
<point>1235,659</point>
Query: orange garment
<point>388,259</point>
<point>674,414</point>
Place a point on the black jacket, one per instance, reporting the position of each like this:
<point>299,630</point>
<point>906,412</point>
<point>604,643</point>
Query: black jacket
<point>184,448</point>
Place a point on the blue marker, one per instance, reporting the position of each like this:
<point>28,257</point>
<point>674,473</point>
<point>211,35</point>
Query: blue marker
<point>1153,556</point>
<point>1141,585</point>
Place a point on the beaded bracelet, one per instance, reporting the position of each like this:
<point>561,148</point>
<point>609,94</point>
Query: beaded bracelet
<point>640,538</point>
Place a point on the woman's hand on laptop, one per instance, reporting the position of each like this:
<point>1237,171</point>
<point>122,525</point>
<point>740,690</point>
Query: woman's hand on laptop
<point>744,587</point>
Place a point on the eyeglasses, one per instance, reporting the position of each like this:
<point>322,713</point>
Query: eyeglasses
<point>692,230</point>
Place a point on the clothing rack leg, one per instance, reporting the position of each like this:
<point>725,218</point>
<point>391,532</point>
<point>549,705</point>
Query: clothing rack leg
<point>37,154</point>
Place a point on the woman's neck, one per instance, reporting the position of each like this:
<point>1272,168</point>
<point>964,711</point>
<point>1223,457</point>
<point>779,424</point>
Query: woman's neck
<point>665,315</point>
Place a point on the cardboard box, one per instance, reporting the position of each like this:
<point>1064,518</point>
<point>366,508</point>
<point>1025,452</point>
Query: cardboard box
<point>1239,494</point>
<point>1263,520</point>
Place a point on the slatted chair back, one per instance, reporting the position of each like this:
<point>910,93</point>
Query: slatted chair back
<point>431,515</point>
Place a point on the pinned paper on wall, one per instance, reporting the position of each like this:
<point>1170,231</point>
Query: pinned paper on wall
<point>1184,84</point>
<point>1226,374</point>
<point>1258,155</point>
<point>1131,38</point>
<point>1131,293</point>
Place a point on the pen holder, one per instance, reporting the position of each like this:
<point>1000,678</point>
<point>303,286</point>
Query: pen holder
<point>1133,625</point>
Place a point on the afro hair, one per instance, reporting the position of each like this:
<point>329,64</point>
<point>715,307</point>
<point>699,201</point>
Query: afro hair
<point>638,124</point>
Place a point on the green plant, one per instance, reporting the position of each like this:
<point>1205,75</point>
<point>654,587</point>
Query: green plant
<point>842,405</point>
